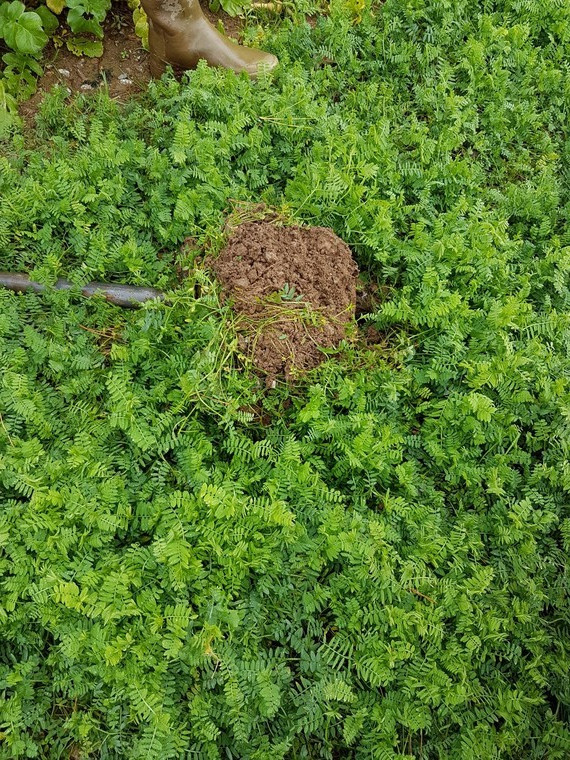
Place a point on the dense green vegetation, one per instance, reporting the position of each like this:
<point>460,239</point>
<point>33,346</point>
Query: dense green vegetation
<point>372,563</point>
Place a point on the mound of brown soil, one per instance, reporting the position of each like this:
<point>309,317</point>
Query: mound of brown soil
<point>294,291</point>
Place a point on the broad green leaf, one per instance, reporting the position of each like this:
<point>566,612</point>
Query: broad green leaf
<point>29,34</point>
<point>10,12</point>
<point>82,46</point>
<point>50,22</point>
<point>79,24</point>
<point>22,30</point>
<point>22,62</point>
<point>95,8</point>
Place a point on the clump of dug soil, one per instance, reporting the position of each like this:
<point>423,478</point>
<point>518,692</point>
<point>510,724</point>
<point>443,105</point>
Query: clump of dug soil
<point>294,292</point>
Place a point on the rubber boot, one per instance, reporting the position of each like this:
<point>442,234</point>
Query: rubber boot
<point>180,35</point>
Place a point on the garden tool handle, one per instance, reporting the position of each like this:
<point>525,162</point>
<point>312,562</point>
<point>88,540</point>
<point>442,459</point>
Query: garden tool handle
<point>127,296</point>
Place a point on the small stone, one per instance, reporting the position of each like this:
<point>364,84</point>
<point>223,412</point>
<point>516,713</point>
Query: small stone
<point>124,79</point>
<point>86,86</point>
<point>64,72</point>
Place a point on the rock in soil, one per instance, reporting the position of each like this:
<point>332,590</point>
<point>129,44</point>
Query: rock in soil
<point>293,290</point>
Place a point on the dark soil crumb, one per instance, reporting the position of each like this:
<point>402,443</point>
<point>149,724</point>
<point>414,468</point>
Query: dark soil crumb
<point>294,291</point>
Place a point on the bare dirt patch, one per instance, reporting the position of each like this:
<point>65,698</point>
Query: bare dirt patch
<point>294,293</point>
<point>123,68</point>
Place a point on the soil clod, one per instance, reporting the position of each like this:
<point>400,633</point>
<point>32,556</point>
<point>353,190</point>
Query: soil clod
<point>294,291</point>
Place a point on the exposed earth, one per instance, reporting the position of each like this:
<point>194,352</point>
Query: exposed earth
<point>293,291</point>
<point>123,67</point>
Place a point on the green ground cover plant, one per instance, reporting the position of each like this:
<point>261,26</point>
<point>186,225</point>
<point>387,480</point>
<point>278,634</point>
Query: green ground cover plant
<point>372,563</point>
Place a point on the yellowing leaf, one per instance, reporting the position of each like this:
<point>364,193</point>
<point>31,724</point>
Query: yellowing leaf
<point>56,6</point>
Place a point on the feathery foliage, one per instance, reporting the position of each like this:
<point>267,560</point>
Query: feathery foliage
<point>373,563</point>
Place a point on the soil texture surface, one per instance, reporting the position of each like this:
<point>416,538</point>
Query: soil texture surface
<point>294,293</point>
